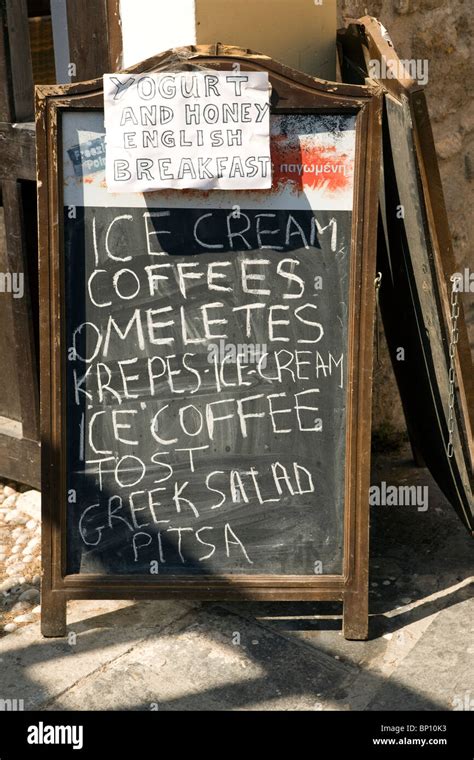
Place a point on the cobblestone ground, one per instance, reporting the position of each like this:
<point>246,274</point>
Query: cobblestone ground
<point>20,555</point>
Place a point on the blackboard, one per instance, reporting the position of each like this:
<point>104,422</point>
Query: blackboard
<point>206,379</point>
<point>276,373</point>
<point>209,412</point>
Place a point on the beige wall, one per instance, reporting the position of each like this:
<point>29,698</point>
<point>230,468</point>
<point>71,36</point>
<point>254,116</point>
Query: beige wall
<point>300,33</point>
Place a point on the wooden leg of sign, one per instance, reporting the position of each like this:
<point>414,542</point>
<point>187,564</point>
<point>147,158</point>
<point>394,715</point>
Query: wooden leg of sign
<point>53,613</point>
<point>356,614</point>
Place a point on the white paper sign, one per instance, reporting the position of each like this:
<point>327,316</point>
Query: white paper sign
<point>187,130</point>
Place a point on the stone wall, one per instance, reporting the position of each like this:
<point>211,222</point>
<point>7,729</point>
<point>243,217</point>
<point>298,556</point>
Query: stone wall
<point>441,32</point>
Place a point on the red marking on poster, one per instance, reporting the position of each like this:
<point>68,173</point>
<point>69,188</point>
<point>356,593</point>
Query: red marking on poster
<point>305,165</point>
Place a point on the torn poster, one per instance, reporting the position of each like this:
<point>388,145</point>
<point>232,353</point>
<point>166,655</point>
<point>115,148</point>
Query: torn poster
<point>196,130</point>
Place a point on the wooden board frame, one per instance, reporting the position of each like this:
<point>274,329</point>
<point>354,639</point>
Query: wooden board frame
<point>292,92</point>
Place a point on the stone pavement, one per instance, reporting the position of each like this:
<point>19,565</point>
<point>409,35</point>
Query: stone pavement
<point>267,656</point>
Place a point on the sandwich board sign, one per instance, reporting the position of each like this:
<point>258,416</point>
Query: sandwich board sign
<point>420,300</point>
<point>206,357</point>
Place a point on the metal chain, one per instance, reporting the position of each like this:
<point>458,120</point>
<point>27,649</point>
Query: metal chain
<point>377,284</point>
<point>454,336</point>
